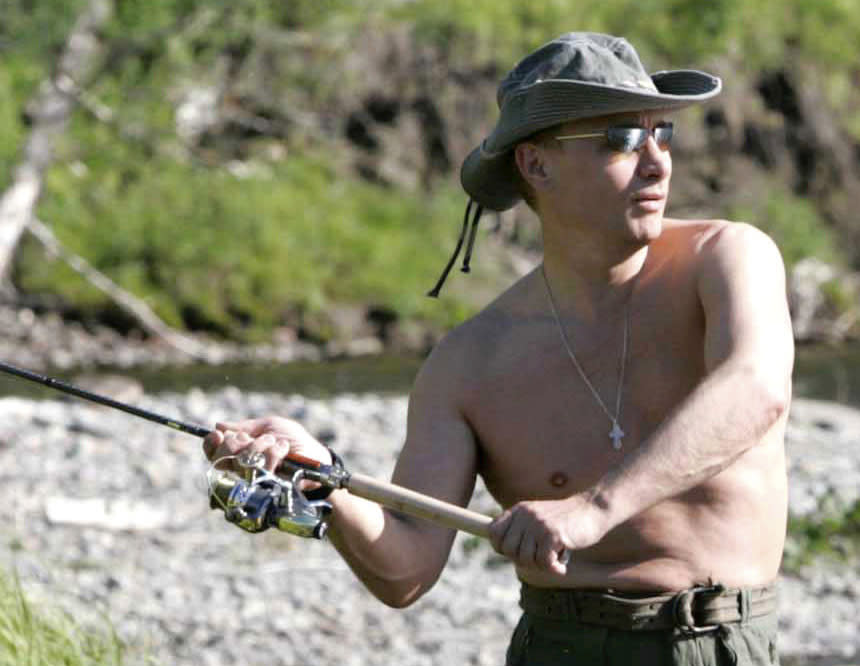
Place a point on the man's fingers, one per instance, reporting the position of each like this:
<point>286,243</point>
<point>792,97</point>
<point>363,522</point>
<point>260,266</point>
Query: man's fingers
<point>553,557</point>
<point>523,536</point>
<point>546,554</point>
<point>527,554</point>
<point>275,449</point>
<point>234,442</point>
<point>254,427</point>
<point>512,541</point>
<point>560,561</point>
<point>497,530</point>
<point>509,538</point>
<point>211,443</point>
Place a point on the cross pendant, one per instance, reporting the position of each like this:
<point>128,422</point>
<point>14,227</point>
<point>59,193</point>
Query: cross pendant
<point>616,434</point>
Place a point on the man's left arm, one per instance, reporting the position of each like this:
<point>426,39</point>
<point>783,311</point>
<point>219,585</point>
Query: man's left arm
<point>749,354</point>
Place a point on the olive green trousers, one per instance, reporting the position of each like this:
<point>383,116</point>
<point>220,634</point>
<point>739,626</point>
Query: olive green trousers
<point>539,641</point>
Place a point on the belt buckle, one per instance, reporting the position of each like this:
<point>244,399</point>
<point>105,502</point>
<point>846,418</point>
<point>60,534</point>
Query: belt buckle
<point>682,610</point>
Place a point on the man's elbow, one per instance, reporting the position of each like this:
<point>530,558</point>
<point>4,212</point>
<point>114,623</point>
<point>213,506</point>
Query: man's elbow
<point>771,397</point>
<point>406,578</point>
<point>399,600</point>
<point>401,593</point>
<point>775,405</point>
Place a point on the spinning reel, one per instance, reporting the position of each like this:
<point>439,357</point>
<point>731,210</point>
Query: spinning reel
<point>255,499</point>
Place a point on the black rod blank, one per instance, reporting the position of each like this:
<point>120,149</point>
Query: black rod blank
<point>190,428</point>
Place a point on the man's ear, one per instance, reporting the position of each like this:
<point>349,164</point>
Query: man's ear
<point>531,162</point>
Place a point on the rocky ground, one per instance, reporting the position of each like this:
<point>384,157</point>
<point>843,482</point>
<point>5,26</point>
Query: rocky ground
<point>40,341</point>
<point>107,515</point>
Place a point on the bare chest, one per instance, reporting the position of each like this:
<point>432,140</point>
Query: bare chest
<point>542,429</point>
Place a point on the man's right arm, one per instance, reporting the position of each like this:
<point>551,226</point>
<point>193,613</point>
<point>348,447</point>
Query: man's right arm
<point>397,557</point>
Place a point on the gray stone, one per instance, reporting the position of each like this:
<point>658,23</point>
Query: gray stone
<point>196,590</point>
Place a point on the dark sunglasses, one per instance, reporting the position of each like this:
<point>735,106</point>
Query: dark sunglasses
<point>629,139</point>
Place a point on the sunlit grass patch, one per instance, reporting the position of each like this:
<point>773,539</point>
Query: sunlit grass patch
<point>37,635</point>
<point>832,533</point>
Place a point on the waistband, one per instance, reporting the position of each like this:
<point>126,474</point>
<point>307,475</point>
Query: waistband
<point>694,610</point>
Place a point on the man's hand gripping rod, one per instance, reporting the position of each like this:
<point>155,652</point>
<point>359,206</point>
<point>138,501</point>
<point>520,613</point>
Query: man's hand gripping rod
<point>263,500</point>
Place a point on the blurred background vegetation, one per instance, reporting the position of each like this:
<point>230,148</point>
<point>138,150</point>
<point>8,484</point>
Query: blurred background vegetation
<point>263,161</point>
<point>246,166</point>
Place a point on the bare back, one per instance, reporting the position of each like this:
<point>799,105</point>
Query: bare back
<point>540,433</point>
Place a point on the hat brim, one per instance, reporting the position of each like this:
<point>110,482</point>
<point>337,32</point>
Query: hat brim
<point>488,173</point>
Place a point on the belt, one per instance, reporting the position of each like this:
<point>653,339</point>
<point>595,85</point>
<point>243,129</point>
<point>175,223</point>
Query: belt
<point>694,610</point>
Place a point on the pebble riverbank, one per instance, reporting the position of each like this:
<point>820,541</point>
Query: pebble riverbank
<point>107,516</point>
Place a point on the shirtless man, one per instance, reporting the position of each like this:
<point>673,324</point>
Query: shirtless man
<point>625,402</point>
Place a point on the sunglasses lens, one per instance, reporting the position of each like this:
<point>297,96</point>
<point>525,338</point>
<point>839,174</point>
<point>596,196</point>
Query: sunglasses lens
<point>626,139</point>
<point>663,135</point>
<point>630,139</point>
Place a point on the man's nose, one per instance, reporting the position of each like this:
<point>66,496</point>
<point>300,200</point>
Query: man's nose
<point>654,162</point>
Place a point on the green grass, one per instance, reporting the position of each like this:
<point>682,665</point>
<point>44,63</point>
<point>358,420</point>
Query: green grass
<point>676,32</point>
<point>44,636</point>
<point>793,222</point>
<point>833,533</point>
<point>240,256</point>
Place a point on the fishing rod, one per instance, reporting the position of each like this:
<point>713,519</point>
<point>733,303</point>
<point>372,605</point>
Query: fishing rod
<point>255,499</point>
<point>190,428</point>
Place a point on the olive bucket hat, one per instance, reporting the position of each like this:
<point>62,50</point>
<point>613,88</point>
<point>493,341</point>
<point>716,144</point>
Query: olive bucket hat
<point>577,75</point>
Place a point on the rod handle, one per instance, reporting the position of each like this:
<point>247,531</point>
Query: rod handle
<point>419,505</point>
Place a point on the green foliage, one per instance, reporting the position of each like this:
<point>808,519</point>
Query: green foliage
<point>43,636</point>
<point>238,256</point>
<point>30,34</point>
<point>832,532</point>
<point>36,29</point>
<point>795,225</point>
<point>10,128</point>
<point>140,18</point>
<point>676,32</point>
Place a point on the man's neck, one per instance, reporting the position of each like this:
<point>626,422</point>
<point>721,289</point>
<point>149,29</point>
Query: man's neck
<point>589,281</point>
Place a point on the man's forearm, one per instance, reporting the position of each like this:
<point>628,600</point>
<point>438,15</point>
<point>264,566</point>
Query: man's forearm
<point>389,553</point>
<point>730,411</point>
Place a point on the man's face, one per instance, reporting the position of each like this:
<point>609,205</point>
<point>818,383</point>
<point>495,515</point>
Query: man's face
<point>622,194</point>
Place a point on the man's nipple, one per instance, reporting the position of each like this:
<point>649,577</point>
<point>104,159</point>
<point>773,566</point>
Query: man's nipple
<point>558,480</point>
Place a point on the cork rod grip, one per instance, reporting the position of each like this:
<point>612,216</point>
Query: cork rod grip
<point>421,506</point>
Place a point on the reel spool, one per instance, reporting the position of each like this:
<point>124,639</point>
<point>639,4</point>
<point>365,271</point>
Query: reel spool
<point>254,499</point>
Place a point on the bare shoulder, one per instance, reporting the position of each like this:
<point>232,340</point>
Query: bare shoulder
<point>440,453</point>
<point>458,361</point>
<point>722,245</point>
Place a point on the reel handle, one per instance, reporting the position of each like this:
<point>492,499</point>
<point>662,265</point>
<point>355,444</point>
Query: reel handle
<point>419,505</point>
<point>391,495</point>
<point>425,507</point>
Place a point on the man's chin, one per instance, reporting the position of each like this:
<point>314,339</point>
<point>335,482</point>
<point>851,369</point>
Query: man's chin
<point>647,228</point>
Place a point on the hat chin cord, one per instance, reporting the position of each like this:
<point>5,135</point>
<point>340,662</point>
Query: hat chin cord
<point>470,226</point>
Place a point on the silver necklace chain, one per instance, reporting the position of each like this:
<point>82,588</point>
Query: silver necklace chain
<point>616,434</point>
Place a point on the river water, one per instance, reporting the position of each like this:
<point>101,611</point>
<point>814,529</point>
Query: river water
<point>826,373</point>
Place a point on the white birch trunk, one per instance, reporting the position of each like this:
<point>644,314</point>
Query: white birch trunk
<point>50,111</point>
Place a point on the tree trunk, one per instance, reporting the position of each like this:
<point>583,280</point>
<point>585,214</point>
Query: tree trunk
<point>49,112</point>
